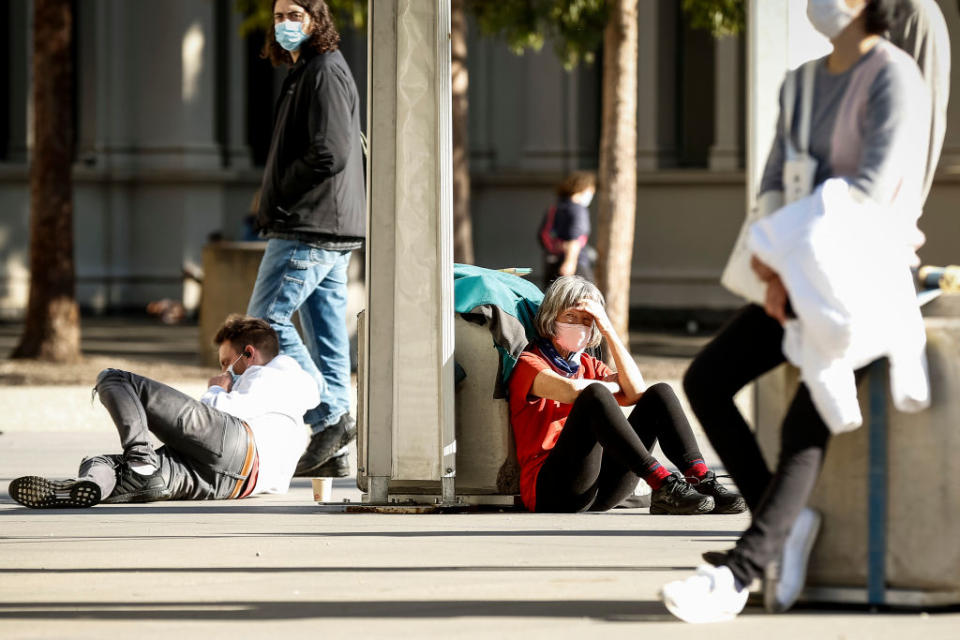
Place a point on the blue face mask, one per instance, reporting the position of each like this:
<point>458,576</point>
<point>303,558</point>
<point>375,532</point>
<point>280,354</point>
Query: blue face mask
<point>289,35</point>
<point>234,376</point>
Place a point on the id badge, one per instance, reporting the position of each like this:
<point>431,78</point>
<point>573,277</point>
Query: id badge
<point>798,176</point>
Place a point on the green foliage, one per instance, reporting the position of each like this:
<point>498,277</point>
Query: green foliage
<point>720,17</point>
<point>574,26</point>
<point>258,14</point>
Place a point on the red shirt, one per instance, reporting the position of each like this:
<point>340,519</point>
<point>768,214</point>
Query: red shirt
<point>537,422</point>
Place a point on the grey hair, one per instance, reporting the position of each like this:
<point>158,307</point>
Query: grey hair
<point>564,293</point>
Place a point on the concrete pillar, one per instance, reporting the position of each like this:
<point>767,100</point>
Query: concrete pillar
<point>238,151</point>
<point>408,390</point>
<point>726,154</point>
<point>20,15</point>
<point>154,85</point>
<point>656,84</point>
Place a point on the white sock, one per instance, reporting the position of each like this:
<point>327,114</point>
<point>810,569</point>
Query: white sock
<point>144,469</point>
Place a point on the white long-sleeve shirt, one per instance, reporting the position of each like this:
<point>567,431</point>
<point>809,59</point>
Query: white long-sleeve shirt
<point>271,399</point>
<point>846,265</point>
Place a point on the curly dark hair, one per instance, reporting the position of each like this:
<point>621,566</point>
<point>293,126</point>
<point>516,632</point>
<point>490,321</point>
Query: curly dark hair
<point>880,15</point>
<point>240,330</point>
<point>324,37</point>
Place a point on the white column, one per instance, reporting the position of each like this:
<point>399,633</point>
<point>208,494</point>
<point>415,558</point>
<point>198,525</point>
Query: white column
<point>726,152</point>
<point>656,84</point>
<point>155,85</point>
<point>238,150</point>
<point>20,15</point>
<point>409,337</point>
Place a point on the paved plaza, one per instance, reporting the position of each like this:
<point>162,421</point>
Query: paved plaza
<point>280,566</point>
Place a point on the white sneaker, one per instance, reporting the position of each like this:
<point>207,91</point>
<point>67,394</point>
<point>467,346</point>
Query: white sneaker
<point>709,595</point>
<point>782,587</point>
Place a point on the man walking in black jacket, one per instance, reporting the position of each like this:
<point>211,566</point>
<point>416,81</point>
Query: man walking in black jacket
<point>312,212</point>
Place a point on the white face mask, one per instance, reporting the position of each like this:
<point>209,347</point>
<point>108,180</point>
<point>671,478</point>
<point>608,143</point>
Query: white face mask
<point>831,17</point>
<point>586,198</point>
<point>572,337</point>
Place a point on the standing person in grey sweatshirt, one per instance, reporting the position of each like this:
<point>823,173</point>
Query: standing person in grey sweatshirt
<point>869,105</point>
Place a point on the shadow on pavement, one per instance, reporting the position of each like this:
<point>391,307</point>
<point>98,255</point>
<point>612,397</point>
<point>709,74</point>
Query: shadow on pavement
<point>365,569</point>
<point>610,610</point>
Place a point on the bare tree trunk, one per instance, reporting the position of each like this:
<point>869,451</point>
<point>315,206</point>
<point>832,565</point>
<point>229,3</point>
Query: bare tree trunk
<point>462,227</point>
<point>617,198</point>
<point>52,328</point>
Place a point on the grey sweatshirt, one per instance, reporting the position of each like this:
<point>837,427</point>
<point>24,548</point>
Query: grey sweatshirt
<point>869,125</point>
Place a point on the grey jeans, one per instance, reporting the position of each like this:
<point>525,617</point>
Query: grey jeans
<point>204,448</point>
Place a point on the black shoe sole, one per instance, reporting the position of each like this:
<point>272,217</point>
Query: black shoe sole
<point>716,558</point>
<point>307,467</point>
<point>39,493</point>
<point>147,495</point>
<point>703,507</point>
<point>332,468</point>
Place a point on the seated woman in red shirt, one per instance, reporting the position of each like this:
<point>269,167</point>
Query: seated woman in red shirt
<point>576,449</point>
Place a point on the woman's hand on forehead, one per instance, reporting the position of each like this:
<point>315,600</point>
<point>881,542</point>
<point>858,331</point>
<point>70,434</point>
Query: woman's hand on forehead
<point>576,315</point>
<point>596,312</point>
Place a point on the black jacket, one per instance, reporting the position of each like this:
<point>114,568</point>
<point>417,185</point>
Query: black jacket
<point>313,182</point>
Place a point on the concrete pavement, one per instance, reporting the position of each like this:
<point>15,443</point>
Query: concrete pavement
<point>278,565</point>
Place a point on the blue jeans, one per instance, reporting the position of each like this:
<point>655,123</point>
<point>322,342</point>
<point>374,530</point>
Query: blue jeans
<point>294,276</point>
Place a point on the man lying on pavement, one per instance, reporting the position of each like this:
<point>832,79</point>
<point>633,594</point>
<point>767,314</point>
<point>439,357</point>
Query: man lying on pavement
<point>243,437</point>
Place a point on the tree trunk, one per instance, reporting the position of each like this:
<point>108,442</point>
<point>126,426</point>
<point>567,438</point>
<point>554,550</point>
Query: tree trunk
<point>52,328</point>
<point>617,197</point>
<point>462,226</point>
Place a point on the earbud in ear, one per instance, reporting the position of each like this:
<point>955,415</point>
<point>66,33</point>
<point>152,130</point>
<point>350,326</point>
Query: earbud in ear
<point>248,354</point>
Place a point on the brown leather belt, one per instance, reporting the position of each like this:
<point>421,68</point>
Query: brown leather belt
<point>250,468</point>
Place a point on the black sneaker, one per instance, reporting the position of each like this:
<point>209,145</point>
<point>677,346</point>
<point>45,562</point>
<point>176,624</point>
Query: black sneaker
<point>136,487</point>
<point>676,497</point>
<point>725,501</point>
<point>39,493</point>
<point>324,445</point>
<point>335,467</point>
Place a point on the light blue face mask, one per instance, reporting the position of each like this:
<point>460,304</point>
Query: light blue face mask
<point>289,35</point>
<point>234,376</point>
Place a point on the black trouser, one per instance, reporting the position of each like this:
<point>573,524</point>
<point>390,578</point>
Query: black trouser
<point>204,448</point>
<point>748,346</point>
<point>601,455</point>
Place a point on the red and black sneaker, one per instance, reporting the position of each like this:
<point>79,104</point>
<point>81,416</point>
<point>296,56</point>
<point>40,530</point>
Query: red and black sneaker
<point>677,497</point>
<point>725,500</point>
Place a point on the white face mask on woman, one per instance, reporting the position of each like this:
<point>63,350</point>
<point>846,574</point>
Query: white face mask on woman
<point>831,17</point>
<point>572,337</point>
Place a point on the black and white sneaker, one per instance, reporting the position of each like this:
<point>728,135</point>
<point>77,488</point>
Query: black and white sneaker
<point>136,487</point>
<point>677,497</point>
<point>725,501</point>
<point>39,493</point>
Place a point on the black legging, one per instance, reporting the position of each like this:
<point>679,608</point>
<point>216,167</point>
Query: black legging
<point>748,346</point>
<point>601,455</point>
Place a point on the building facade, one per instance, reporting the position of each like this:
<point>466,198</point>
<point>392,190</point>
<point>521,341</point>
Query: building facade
<point>174,114</point>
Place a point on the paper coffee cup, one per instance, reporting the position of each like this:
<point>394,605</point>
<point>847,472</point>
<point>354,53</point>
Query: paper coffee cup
<point>323,489</point>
